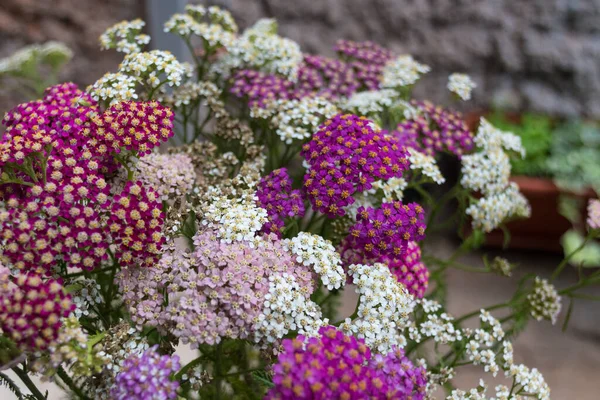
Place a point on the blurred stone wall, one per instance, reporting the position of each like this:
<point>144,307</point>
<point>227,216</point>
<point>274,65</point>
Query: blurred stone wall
<point>537,54</point>
<point>78,23</point>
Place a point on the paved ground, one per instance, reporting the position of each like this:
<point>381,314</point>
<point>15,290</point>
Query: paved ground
<point>570,361</point>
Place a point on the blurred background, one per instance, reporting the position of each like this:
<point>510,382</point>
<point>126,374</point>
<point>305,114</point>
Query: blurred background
<point>536,59</point>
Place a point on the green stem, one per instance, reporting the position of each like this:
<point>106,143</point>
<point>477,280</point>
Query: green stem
<point>69,382</point>
<point>218,371</point>
<point>564,262</point>
<point>453,264</point>
<point>29,383</point>
<point>188,366</point>
<point>477,312</point>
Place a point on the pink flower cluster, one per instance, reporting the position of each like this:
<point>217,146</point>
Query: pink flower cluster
<point>135,222</point>
<point>410,270</point>
<point>326,77</point>
<point>337,366</point>
<point>31,310</point>
<point>275,195</point>
<point>215,293</point>
<point>385,232</point>
<point>436,130</point>
<point>346,156</point>
<point>593,219</point>
<point>258,87</point>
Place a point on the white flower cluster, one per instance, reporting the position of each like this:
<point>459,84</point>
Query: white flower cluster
<point>125,37</point>
<point>51,53</point>
<point>261,48</point>
<point>313,251</point>
<point>544,301</point>
<point>235,219</point>
<point>489,212</point>
<point>114,87</point>
<point>489,137</point>
<point>427,165</point>
<point>440,327</point>
<point>370,102</point>
<point>139,69</point>
<point>286,309</point>
<point>402,71</point>
<point>295,119</point>
<point>479,346</point>
<point>384,307</point>
<point>461,85</point>
<point>218,32</point>
<point>488,172</point>
<point>149,66</point>
<point>182,95</point>
<point>393,189</point>
<point>171,175</point>
<point>477,393</point>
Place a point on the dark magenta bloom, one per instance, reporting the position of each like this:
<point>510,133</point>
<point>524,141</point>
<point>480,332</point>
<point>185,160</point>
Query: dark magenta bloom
<point>275,195</point>
<point>367,59</point>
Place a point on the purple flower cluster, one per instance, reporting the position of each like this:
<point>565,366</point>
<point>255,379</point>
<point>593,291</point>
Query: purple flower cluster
<point>275,195</point>
<point>147,377</point>
<point>367,59</point>
<point>436,130</point>
<point>385,232</point>
<point>326,77</point>
<point>346,156</point>
<point>258,87</point>
<point>337,366</point>
<point>410,270</point>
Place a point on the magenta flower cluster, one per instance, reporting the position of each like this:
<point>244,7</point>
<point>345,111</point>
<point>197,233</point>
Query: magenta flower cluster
<point>346,156</point>
<point>337,366</point>
<point>326,77</point>
<point>436,130</point>
<point>275,195</point>
<point>147,377</point>
<point>258,87</point>
<point>31,309</point>
<point>367,59</point>
<point>410,270</point>
<point>385,232</point>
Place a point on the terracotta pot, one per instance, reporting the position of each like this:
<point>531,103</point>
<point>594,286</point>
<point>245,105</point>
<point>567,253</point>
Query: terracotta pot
<point>543,230</point>
<point>545,227</point>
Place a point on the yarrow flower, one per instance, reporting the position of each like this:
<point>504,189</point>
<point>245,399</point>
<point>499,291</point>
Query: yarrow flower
<point>490,211</point>
<point>125,37</point>
<point>384,307</point>
<point>295,119</point>
<point>367,59</point>
<point>147,377</point>
<point>336,366</point>
<point>313,251</point>
<point>371,102</point>
<point>461,85</point>
<point>171,175</point>
<point>214,25</point>
<point>593,210</point>
<point>258,88</point>
<point>402,71</point>
<point>435,130</point>
<point>275,194</point>
<point>136,222</point>
<point>410,270</point>
<point>544,301</point>
<point>32,309</point>
<point>385,231</point>
<point>346,156</point>
<point>326,77</point>
<point>426,164</point>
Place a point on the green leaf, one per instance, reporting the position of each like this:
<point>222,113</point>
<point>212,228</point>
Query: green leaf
<point>587,257</point>
<point>11,385</point>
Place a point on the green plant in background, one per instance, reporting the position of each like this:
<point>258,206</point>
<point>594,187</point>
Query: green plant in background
<point>575,156</point>
<point>536,135</point>
<point>35,67</point>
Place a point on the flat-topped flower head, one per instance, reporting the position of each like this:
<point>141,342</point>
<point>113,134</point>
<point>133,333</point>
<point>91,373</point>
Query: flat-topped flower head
<point>147,377</point>
<point>275,195</point>
<point>386,231</point>
<point>125,37</point>
<point>462,85</point>
<point>435,130</point>
<point>257,88</point>
<point>326,77</point>
<point>347,155</point>
<point>402,71</point>
<point>32,309</point>
<point>337,366</point>
<point>544,301</point>
<point>367,59</point>
<point>410,270</point>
